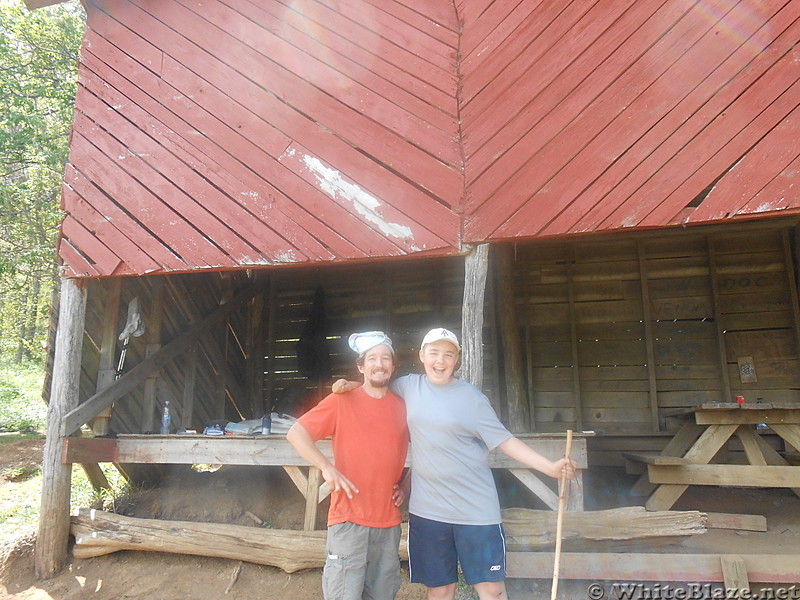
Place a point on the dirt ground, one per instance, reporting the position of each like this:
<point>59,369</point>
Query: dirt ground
<point>238,494</point>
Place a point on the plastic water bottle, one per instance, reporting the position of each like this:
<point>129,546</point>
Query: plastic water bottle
<point>165,419</point>
<point>266,424</point>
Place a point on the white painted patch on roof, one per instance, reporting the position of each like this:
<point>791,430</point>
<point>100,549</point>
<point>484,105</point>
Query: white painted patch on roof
<point>286,257</point>
<point>769,206</point>
<point>368,206</point>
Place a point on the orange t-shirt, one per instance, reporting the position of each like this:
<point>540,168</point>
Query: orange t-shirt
<point>370,442</point>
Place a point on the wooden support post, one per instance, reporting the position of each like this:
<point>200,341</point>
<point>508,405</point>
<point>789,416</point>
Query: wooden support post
<point>512,346</point>
<point>105,374</point>
<point>312,498</point>
<point>153,334</point>
<point>647,319</point>
<point>476,266</point>
<point>269,397</point>
<point>51,545</point>
<point>723,351</point>
<point>573,331</point>
<point>108,346</point>
<point>255,360</point>
<point>791,275</point>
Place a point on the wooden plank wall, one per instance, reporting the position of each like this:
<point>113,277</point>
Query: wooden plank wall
<point>404,299</point>
<point>183,300</point>
<point>619,332</point>
<point>239,371</point>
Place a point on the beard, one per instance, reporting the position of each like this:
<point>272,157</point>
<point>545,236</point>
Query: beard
<point>379,379</point>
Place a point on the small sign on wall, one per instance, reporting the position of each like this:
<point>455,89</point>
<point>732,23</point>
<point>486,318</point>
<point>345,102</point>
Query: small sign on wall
<point>747,370</point>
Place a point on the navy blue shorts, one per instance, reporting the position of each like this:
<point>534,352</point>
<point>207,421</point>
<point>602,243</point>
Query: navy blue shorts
<point>436,548</point>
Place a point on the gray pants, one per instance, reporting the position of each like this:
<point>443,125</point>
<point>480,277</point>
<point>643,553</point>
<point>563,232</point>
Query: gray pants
<point>363,563</point>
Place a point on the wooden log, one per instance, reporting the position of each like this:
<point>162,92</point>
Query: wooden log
<point>513,363</point>
<point>51,545</point>
<point>98,532</point>
<point>476,266</point>
<point>525,528</point>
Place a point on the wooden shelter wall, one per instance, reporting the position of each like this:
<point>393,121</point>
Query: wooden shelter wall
<point>404,299</point>
<point>619,333</point>
<point>238,371</point>
<point>182,300</point>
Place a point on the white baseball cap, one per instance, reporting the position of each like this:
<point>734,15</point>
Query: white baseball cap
<point>365,341</point>
<point>438,334</point>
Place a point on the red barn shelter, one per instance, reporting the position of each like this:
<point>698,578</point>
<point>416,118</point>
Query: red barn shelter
<point>236,134</point>
<point>255,179</point>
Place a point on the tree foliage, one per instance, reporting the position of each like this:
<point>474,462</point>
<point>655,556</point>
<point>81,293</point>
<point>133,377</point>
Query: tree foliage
<point>38,73</point>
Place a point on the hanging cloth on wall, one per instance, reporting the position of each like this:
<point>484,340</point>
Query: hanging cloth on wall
<point>313,357</point>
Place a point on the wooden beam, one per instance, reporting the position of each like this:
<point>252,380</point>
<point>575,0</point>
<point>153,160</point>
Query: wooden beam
<point>791,276</point>
<point>254,450</point>
<point>677,446</point>
<point>51,545</point>
<point>752,450</point>
<point>271,329</point>
<point>149,422</point>
<point>735,521</point>
<point>597,566</point>
<point>108,347</point>
<point>703,450</point>
<point>573,335</point>
<point>314,481</point>
<point>748,417</point>
<point>655,422</point>
<point>255,357</point>
<point>789,432</point>
<point>516,400</point>
<point>106,372</point>
<point>725,475</point>
<point>721,347</point>
<point>533,483</point>
<point>734,574</point>
<point>83,413</point>
<point>476,265</point>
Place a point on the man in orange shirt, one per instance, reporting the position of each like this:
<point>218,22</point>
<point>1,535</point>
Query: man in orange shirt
<point>370,442</point>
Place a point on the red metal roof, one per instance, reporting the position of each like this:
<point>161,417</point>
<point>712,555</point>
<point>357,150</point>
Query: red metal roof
<point>230,133</point>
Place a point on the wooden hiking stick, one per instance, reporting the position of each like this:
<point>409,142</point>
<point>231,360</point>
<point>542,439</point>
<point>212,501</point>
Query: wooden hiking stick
<point>562,501</point>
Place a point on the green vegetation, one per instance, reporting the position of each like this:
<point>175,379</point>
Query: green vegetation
<point>21,485</point>
<point>21,404</point>
<point>38,73</point>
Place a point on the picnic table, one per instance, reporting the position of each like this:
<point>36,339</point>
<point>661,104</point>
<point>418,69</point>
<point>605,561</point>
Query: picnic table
<point>687,458</point>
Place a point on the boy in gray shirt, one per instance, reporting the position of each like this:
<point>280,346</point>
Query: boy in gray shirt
<point>454,508</point>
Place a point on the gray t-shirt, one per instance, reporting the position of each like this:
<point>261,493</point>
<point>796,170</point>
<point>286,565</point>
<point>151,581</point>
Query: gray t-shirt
<point>453,427</point>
